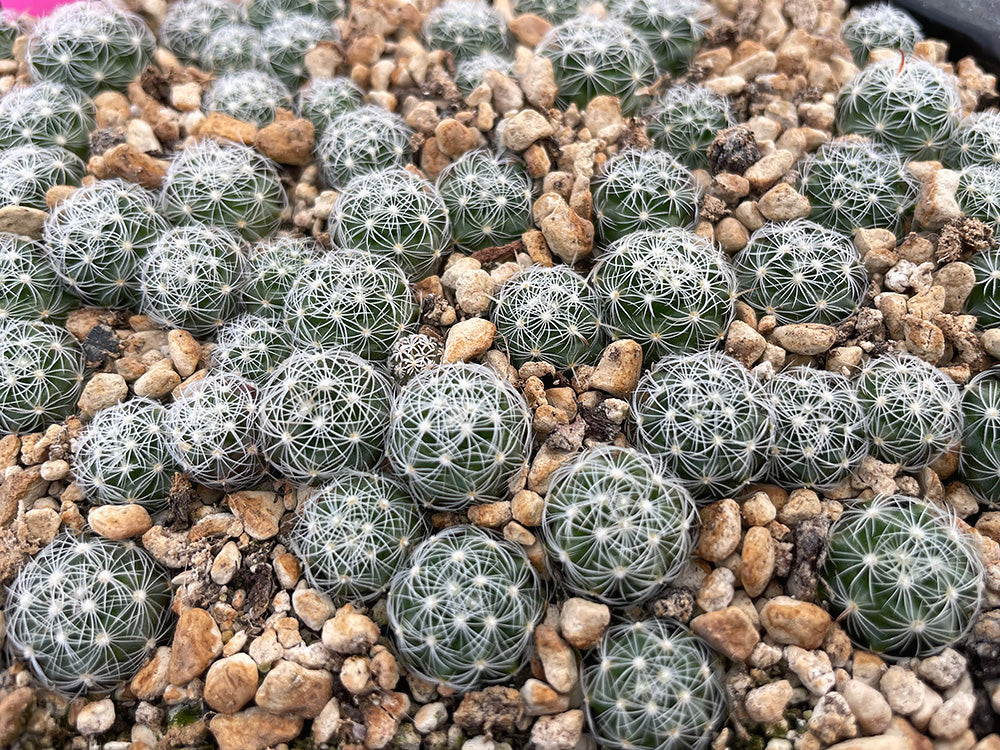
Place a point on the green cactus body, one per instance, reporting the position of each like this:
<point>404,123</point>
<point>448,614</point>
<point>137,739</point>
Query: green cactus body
<point>233,48</point>
<point>85,612</point>
<point>464,609</point>
<point>980,455</point>
<point>592,58</point>
<point>284,45</point>
<point>978,194</point>
<point>644,191</point>
<point>412,354</point>
<point>685,120</point>
<point>548,315</point>
<point>801,272</point>
<point>11,27</point>
<point>27,173</point>
<point>615,527</point>
<point>912,106</point>
<point>89,46</point>
<point>252,347</point>
<point>673,29</point>
<point>904,579</point>
<point>984,299</point>
<point>975,142</point>
<point>41,375</point>
<point>46,114</point>
<point>466,28</point>
<point>358,142</point>
<point>97,238</point>
<point>652,685</point>
<point>322,100</point>
<point>273,266</point>
<point>878,26</point>
<point>248,95</point>
<point>354,533</point>
<point>123,457</point>
<point>29,287</point>
<point>671,290</point>
<point>189,24</point>
<point>553,11</point>
<point>262,13</point>
<point>708,419</point>
<point>458,434</point>
<point>469,71</point>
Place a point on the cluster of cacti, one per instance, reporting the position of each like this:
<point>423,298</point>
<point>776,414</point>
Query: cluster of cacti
<point>46,114</point>
<point>464,608</point>
<point>27,173</point>
<point>879,26</point>
<point>284,44</point>
<point>354,533</point>
<point>616,527</point>
<point>97,238</point>
<point>123,457</point>
<point>984,298</point>
<point>322,100</point>
<point>234,48</point>
<point>652,685</point>
<point>458,434</point>
<point>672,28</point>
<point>412,354</point>
<point>251,346</point>
<point>980,454</point>
<point>469,71</point>
<point>975,142</point>
<point>272,267</point>
<point>684,121</point>
<point>643,191</point>
<point>85,611</point>
<point>707,419</point>
<point>29,287</point>
<point>905,580</point>
<point>548,315</point>
<point>189,24</point>
<point>978,194</point>
<point>360,141</point>
<point>466,28</point>
<point>801,272</point>
<point>248,95</point>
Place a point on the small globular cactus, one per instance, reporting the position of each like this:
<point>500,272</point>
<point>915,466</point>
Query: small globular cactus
<point>27,173</point>
<point>652,685</point>
<point>85,612</point>
<point>684,121</point>
<point>412,354</point>
<point>97,238</point>
<point>322,100</point>
<point>191,278</point>
<point>984,299</point>
<point>553,11</point>
<point>248,95</point>
<point>251,346</point>
<point>464,608</point>
<point>912,106</point>
<point>123,457</point>
<point>273,266</point>
<point>488,199</point>
<point>90,46</point>
<point>466,28</point>
<point>395,214</point>
<point>234,48</point>
<point>46,114</point>
<point>643,191</point>
<point>978,194</point>
<point>11,27</point>
<point>226,185</point>
<point>213,432</point>
<point>819,435</point>
<point>591,58</point>
<point>673,29</point>
<point>616,527</point>
<point>980,455</point>
<point>469,71</point>
<point>284,44</point>
<point>853,184</point>
<point>548,315</point>
<point>975,142</point>
<point>902,577</point>
<point>352,300</point>
<point>670,290</point>
<point>189,24</point>
<point>361,141</point>
<point>708,419</point>
<point>41,375</point>
<point>323,411</point>
<point>263,13</point>
<point>879,26</point>
<point>801,272</point>
<point>912,410</point>
<point>354,533</point>
<point>458,434</point>
<point>30,290</point>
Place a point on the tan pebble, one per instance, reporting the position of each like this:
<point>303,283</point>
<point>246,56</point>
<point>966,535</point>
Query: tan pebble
<point>766,704</point>
<point>454,139</point>
<point>119,521</point>
<point>729,631</point>
<point>156,382</point>
<point>521,130</point>
<point>583,622</point>
<point>720,530</point>
<point>287,140</point>
<point>937,204</point>
<point>468,340</point>
<point>184,351</point>
<point>744,343</point>
<point>197,642</point>
<point>793,622</point>
<point>254,729</point>
<point>757,560</point>
<point>349,632</point>
<point>805,338</point>
<point>567,235</point>
<point>231,683</point>
<point>783,203</point>
<point>101,391</point>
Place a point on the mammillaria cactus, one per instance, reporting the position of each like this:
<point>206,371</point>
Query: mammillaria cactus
<point>553,11</point>
<point>29,287</point>
<point>488,199</point>
<point>466,28</point>
<point>354,533</point>
<point>85,611</point>
<point>819,428</point>
<point>413,354</point>
<point>263,13</point>
<point>352,300</point>
<point>41,375</point>
<point>97,238</point>
<point>233,48</point>
<point>591,57</point>
<point>46,114</point>
<point>984,299</point>
<point>670,290</point>
<point>226,185</point>
<point>801,272</point>
<point>395,214</point>
<point>469,71</point>
<point>324,411</point>
<point>879,26</point>
<point>980,455</point>
<point>191,278</point>
<point>248,95</point>
<point>912,106</point>
<point>975,142</point>
<point>273,265</point>
<point>912,410</point>
<point>251,346</point>
<point>284,44</point>
<point>549,315</point>
<point>364,140</point>
<point>27,173</point>
<point>213,432</point>
<point>464,608</point>
<point>672,28</point>
<point>89,45</point>
<point>853,184</point>
<point>123,457</point>
<point>978,194</point>
<point>322,100</point>
<point>11,27</point>
<point>684,121</point>
<point>458,434</point>
<point>708,419</point>
<point>616,527</point>
<point>652,685</point>
<point>904,578</point>
<point>189,24</point>
<point>643,191</point>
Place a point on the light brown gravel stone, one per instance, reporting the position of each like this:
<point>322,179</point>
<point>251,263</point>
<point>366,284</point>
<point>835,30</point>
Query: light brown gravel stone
<point>254,729</point>
<point>783,203</point>
<point>769,169</point>
<point>813,668</point>
<point>226,563</point>
<point>526,508</point>
<point>468,340</point>
<point>583,622</point>
<point>766,704</point>
<point>219,125</point>
<point>559,732</point>
<point>870,709</point>
<point>881,742</point>
<point>790,621</point>
<point>382,719</point>
<point>758,510</point>
<point>150,681</point>
<point>231,683</point>
<point>454,139</point>
<point>287,140</point>
<point>538,82</point>
<point>567,236</point>
<point>529,29</point>
<point>356,676</point>
<point>720,530</point>
<point>540,699</point>
<point>952,717</point>
<point>184,351</point>
<point>832,719</point>
<point>157,381</point>
<point>23,220</point>
<point>804,338</point>
<point>119,521</point>
<point>937,204</point>
<point>729,631</point>
<point>96,718</point>
<point>259,510</point>
<point>957,279</point>
<point>24,486</point>
<point>619,368</point>
<point>490,515</point>
<point>757,560</point>
<point>558,659</point>
<point>717,590</point>
<point>943,670</point>
<point>349,632</point>
<point>523,129</point>
<point>197,642</point>
<point>744,343</point>
<point>132,165</point>
<point>313,607</point>
<point>103,390</point>
<point>731,235</point>
<point>290,689</point>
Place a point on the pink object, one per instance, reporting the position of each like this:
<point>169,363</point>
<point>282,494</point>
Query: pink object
<point>36,8</point>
